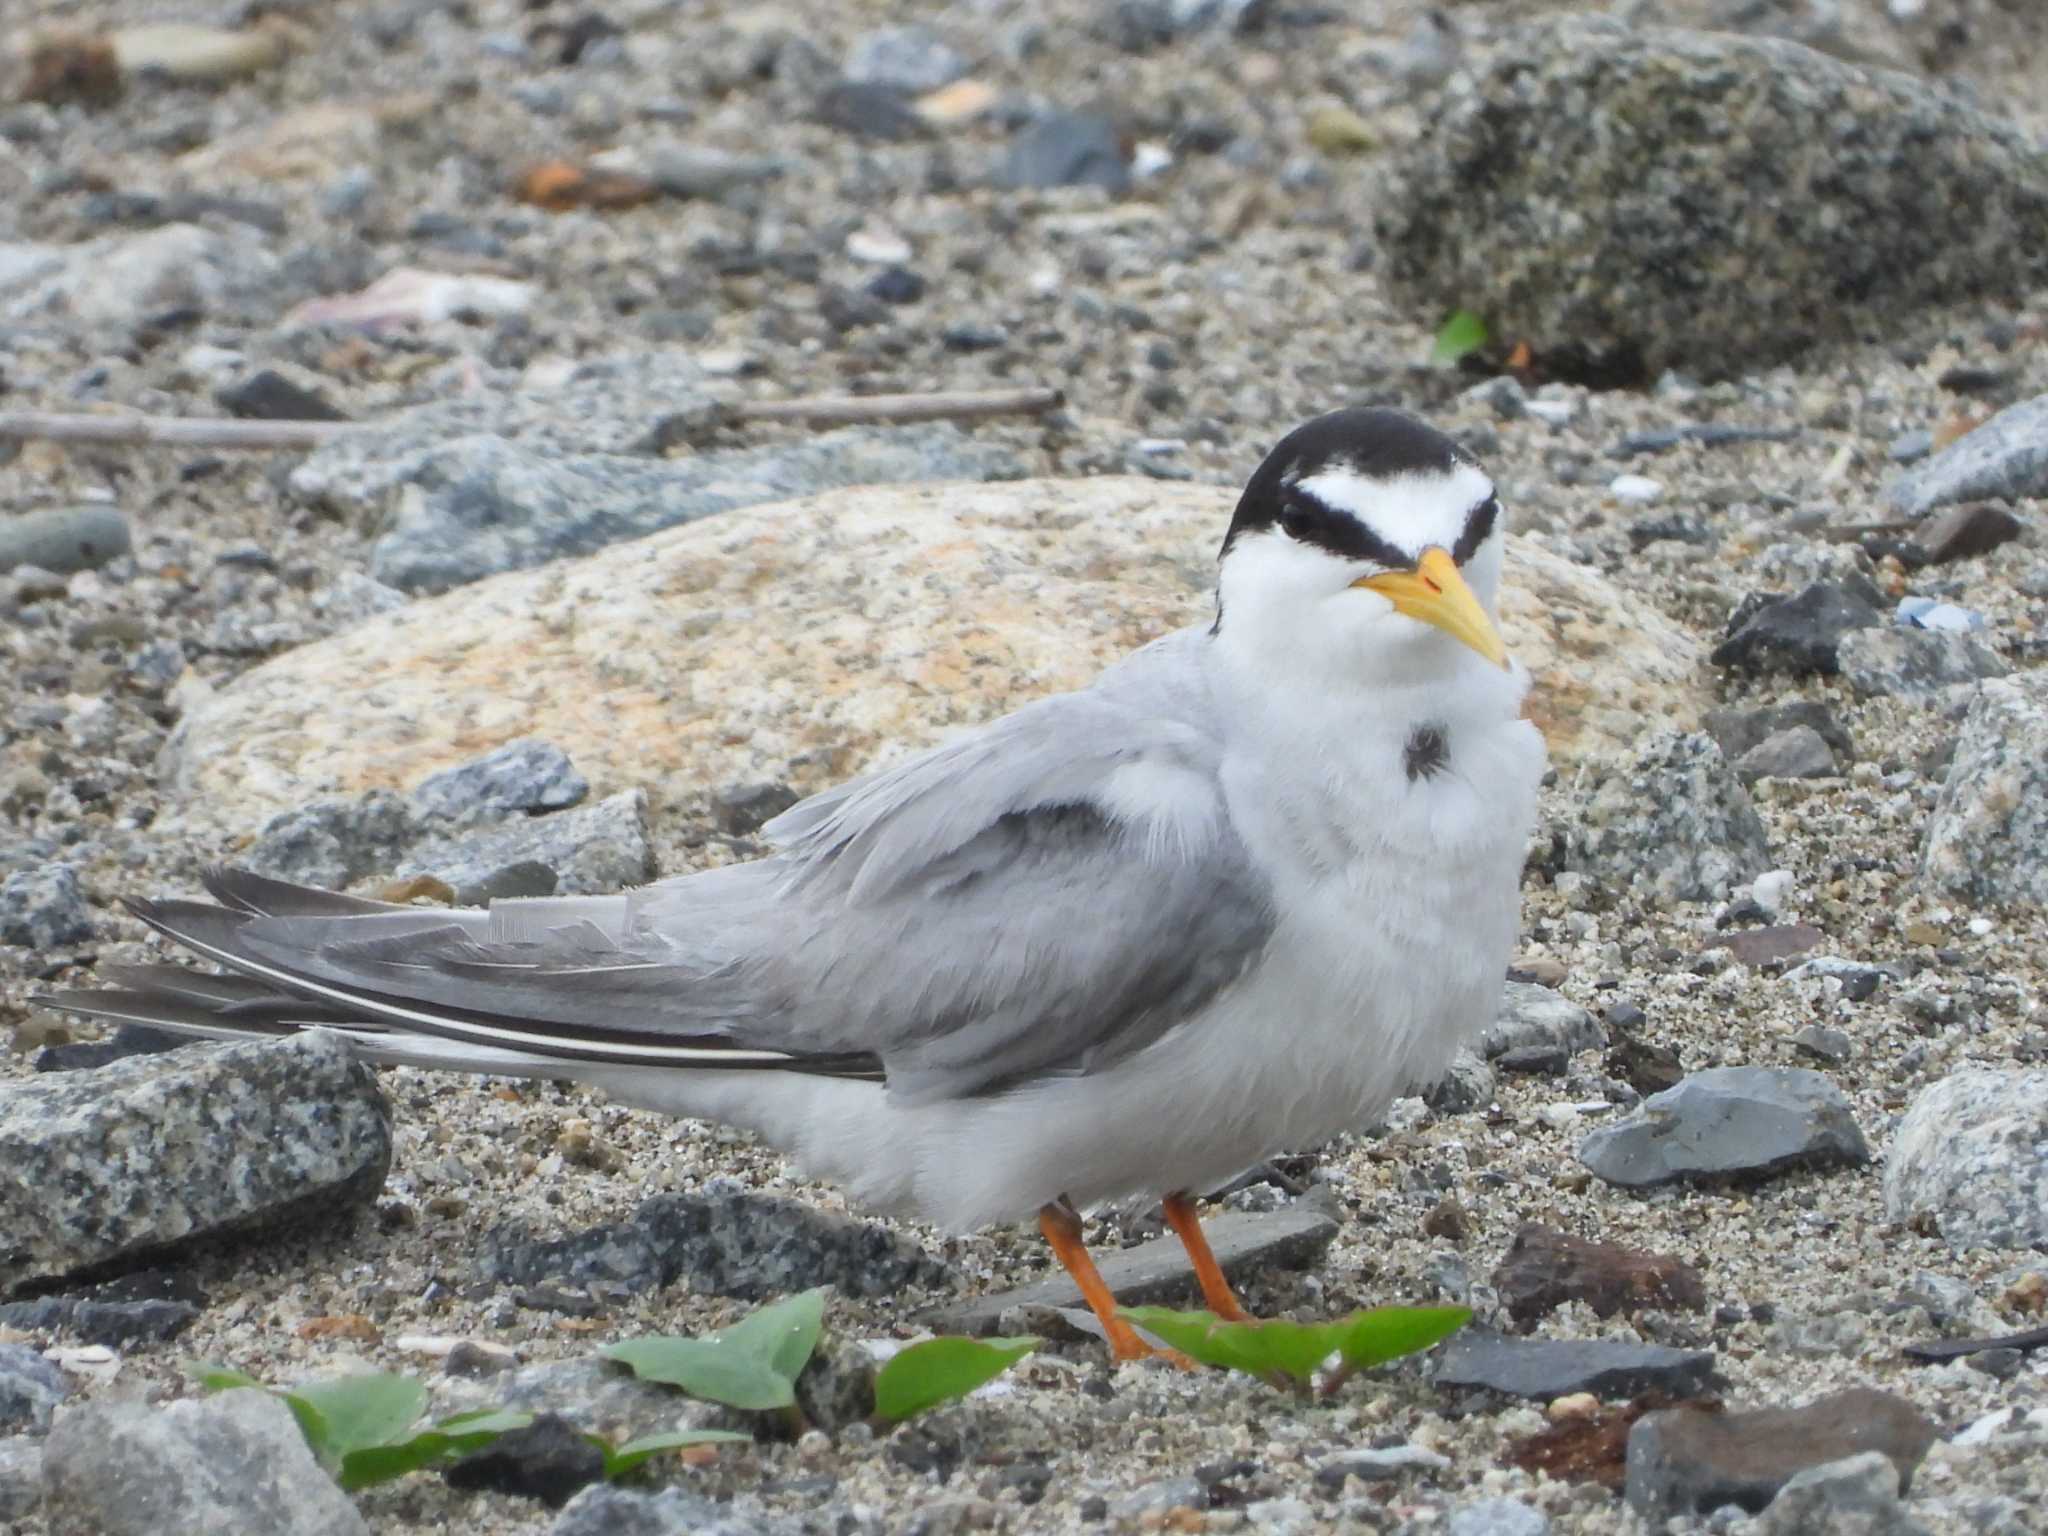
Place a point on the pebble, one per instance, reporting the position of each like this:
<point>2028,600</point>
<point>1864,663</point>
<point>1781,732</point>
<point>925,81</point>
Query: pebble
<point>232,1462</point>
<point>1975,528</point>
<point>1708,434</point>
<point>1987,841</point>
<point>1797,752</point>
<point>912,59</point>
<point>1545,1268</point>
<point>1676,823</point>
<point>1497,1517</point>
<point>44,909</point>
<point>1685,1461</point>
<point>64,539</point>
<point>1534,1018</point>
<point>2005,459</point>
<point>523,776</point>
<point>1971,1157</point>
<point>1738,731</point>
<point>194,55</point>
<point>30,1390</point>
<point>869,112</point>
<point>590,850</point>
<point>267,395</point>
<point>116,1324</point>
<point>606,1510</point>
<point>1544,1369</point>
<point>698,171</point>
<point>1728,1121</point>
<point>1067,149</point>
<point>1856,1496</point>
<point>154,1151</point>
<point>413,296</point>
<point>1823,1042</point>
<point>549,1460</point>
<point>1373,1464</point>
<point>1637,490</point>
<point>1801,634</point>
<point>1920,665</point>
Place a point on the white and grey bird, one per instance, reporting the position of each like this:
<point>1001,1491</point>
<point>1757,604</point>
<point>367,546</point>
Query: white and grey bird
<point>1230,899</point>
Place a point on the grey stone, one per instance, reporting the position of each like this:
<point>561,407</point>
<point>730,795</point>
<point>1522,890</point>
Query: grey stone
<point>1158,1271</point>
<point>1467,1084</point>
<point>1823,1042</point>
<point>1671,245</point>
<point>593,1393</point>
<point>233,1462</point>
<point>41,909</point>
<point>334,843</point>
<point>1373,1463</point>
<point>1497,1517</point>
<point>120,280</point>
<point>548,1460</point>
<point>1156,1498</point>
<point>1067,149</point>
<point>1676,822</point>
<point>1944,1299</point>
<point>473,506</point>
<point>1801,634</point>
<point>1915,663</point>
<point>694,170</point>
<point>117,1324</point>
<point>1542,1369</point>
<point>2006,459</point>
<point>1971,1155</point>
<point>604,1510</point>
<point>64,539</point>
<point>1536,1018</point>
<point>1686,1461</point>
<point>523,775</point>
<point>912,59</point>
<point>1964,532</point>
<point>1797,752</point>
<point>1736,731</point>
<point>1728,1122</point>
<point>30,1390</point>
<point>1987,840</point>
<point>21,1476</point>
<point>590,850</point>
<point>723,1241</point>
<point>107,1167</point>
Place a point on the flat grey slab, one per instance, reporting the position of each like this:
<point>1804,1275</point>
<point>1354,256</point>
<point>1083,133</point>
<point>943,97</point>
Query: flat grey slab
<point>1543,1369</point>
<point>1159,1271</point>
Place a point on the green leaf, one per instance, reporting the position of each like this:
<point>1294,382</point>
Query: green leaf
<point>1280,1350</point>
<point>621,1459</point>
<point>752,1364</point>
<point>218,1378</point>
<point>357,1412</point>
<point>456,1435</point>
<point>1463,332</point>
<point>935,1371</point>
<point>1387,1333</point>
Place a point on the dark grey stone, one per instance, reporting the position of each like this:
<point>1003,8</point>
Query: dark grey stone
<point>1158,1271</point>
<point>116,1324</point>
<point>1964,532</point>
<point>690,170</point>
<point>592,1393</point>
<point>1536,1018</point>
<point>1801,634</point>
<point>1797,752</point>
<point>609,1511</point>
<point>1686,1461</point>
<point>2006,459</point>
<point>64,539</point>
<point>590,850</point>
<point>1737,730</point>
<point>42,909</point>
<point>1542,1369</point>
<point>334,843</point>
<point>110,1166</point>
<point>523,775</point>
<point>232,1462</point>
<point>1067,149</point>
<point>1617,255</point>
<point>30,1390</point>
<point>870,112</point>
<point>1923,664</point>
<point>912,59</point>
<point>1824,1043</point>
<point>721,1242</point>
<point>1987,841</point>
<point>1728,1121</point>
<point>268,395</point>
<point>1676,822</point>
<point>547,1460</point>
<point>1467,1084</point>
<point>1708,434</point>
<point>128,1040</point>
<point>1971,1154</point>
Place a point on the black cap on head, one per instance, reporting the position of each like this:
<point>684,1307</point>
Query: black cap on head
<point>1372,441</point>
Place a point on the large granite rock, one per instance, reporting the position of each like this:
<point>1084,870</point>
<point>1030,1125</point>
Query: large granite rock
<point>1971,1155</point>
<point>1629,201</point>
<point>1675,823</point>
<point>794,643</point>
<point>1988,838</point>
<point>108,1166</point>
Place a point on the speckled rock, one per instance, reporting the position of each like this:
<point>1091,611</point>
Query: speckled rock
<point>1536,1017</point>
<point>1685,1461</point>
<point>1971,1155</point>
<point>30,1389</point>
<point>590,849</point>
<point>333,842</point>
<point>234,1462</point>
<point>63,539</point>
<point>1915,663</point>
<point>1763,199</point>
<point>122,279</point>
<point>608,1511</point>
<point>525,775</point>
<point>43,908</point>
<point>1497,1517</point>
<point>1797,752</point>
<point>1675,822</point>
<point>108,1166</point>
<point>794,643</point>
<point>21,1476</point>
<point>1856,1496</point>
<point>1987,840</point>
<point>2005,459</point>
<point>1728,1121</point>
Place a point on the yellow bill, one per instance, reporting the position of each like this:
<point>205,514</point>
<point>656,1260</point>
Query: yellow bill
<point>1436,593</point>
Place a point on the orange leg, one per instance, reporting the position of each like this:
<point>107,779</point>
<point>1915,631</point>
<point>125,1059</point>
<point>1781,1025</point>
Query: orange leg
<point>1180,1215</point>
<point>1062,1228</point>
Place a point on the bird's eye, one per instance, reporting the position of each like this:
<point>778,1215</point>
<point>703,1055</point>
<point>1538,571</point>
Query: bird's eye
<point>1296,518</point>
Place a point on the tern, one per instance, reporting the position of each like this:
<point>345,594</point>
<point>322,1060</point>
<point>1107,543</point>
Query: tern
<point>1258,879</point>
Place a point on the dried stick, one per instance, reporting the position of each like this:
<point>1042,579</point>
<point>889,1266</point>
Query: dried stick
<point>228,432</point>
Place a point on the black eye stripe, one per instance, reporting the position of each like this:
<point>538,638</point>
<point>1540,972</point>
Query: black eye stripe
<point>1478,529</point>
<point>1307,521</point>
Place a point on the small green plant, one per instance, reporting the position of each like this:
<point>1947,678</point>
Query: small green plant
<point>753,1364</point>
<point>1281,1351</point>
<point>366,1429</point>
<point>1464,332</point>
<point>933,1371</point>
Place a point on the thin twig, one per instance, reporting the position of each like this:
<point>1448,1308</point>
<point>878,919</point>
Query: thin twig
<point>228,432</point>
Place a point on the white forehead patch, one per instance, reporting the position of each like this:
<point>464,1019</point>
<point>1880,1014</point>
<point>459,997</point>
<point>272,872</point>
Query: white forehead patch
<point>1410,512</point>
